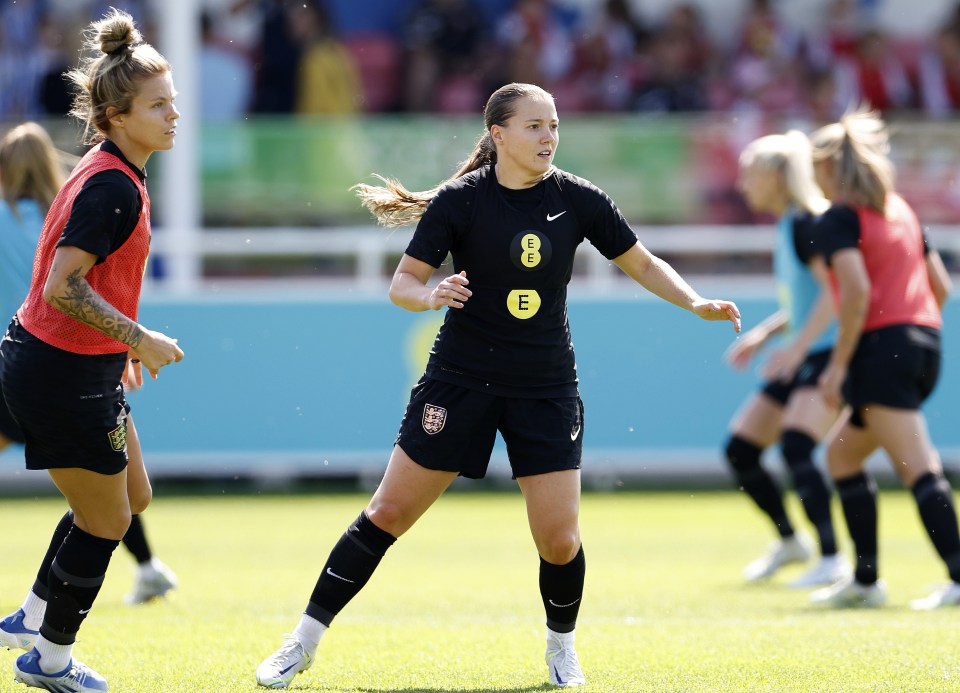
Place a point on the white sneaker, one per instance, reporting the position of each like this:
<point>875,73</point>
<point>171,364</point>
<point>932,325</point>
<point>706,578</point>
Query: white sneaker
<point>795,549</point>
<point>154,580</point>
<point>76,678</point>
<point>278,670</point>
<point>562,660</point>
<point>14,634</point>
<point>948,595</point>
<point>849,593</point>
<point>827,571</point>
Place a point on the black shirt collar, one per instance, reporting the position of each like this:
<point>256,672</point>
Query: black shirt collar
<point>111,148</point>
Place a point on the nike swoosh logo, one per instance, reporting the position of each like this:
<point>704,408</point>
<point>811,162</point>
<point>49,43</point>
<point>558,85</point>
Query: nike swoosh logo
<point>551,217</point>
<point>85,611</point>
<point>339,577</point>
<point>574,433</point>
<point>563,606</point>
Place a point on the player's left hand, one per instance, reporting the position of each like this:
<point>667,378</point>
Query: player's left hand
<point>713,309</point>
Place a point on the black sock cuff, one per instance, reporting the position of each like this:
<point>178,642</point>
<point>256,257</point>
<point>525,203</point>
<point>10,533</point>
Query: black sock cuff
<point>930,484</point>
<point>92,542</point>
<point>83,556</point>
<point>369,537</point>
<point>313,611</point>
<point>742,454</point>
<point>854,485</point>
<point>797,446</point>
<point>578,561</point>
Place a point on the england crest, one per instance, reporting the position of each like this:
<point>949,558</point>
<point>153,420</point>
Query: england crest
<point>434,418</point>
<point>118,437</point>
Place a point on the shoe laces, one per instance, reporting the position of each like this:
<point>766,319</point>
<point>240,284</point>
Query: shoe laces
<point>563,659</point>
<point>291,648</point>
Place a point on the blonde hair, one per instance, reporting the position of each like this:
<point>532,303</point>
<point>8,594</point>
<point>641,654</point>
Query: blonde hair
<point>30,167</point>
<point>393,205</point>
<point>110,79</point>
<point>790,154</point>
<point>859,147</point>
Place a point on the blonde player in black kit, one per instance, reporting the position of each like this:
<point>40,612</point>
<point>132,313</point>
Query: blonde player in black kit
<point>502,361</point>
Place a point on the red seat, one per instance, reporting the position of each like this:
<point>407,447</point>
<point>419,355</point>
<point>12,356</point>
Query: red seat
<point>377,57</point>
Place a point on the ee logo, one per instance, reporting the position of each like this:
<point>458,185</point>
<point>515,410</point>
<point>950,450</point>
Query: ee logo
<point>529,252</point>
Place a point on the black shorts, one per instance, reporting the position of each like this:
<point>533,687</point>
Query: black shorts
<point>9,428</point>
<point>807,375</point>
<point>70,407</point>
<point>452,428</point>
<point>894,367</point>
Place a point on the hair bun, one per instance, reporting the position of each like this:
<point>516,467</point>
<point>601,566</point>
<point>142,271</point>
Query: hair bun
<point>117,33</point>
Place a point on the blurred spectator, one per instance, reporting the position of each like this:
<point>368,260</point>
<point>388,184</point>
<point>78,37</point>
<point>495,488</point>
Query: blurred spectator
<point>226,76</point>
<point>836,38</point>
<point>21,65</point>
<point>938,79</point>
<point>276,59</point>
<point>874,76</point>
<point>536,47</point>
<point>54,95</point>
<point>680,64</point>
<point>328,82</point>
<point>764,71</point>
<point>821,103</point>
<point>443,41</point>
<point>607,56</point>
<point>685,22</point>
<point>670,86</point>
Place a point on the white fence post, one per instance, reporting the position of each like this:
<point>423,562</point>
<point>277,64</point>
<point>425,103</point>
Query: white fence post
<point>180,173</point>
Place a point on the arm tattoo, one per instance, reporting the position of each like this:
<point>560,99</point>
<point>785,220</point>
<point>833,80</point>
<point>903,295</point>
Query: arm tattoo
<point>82,303</point>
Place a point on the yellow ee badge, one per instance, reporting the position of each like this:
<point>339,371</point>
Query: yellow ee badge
<point>118,437</point>
<point>523,303</point>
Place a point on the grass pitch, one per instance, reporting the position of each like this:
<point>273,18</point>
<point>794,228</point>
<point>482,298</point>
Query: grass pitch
<point>455,607</point>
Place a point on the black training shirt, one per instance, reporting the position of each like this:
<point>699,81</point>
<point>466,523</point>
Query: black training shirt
<point>105,211</point>
<point>839,228</point>
<point>512,337</point>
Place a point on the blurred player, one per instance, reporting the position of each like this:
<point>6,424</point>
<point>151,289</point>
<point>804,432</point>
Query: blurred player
<point>889,288</point>
<point>30,176</point>
<point>776,177</point>
<point>502,361</point>
<point>68,346</point>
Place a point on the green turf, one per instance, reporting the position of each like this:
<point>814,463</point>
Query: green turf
<point>455,606</point>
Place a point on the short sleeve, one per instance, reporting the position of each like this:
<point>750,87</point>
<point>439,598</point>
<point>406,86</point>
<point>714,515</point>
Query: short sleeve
<point>837,229</point>
<point>603,223</point>
<point>445,217</point>
<point>104,214</point>
<point>804,238</point>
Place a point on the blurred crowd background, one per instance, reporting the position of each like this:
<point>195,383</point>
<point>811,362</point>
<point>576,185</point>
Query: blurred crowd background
<point>446,56</point>
<point>299,100</point>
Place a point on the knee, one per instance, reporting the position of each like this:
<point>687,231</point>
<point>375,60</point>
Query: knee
<point>796,446</point>
<point>742,455</point>
<point>111,525</point>
<point>140,498</point>
<point>390,517</point>
<point>559,547</point>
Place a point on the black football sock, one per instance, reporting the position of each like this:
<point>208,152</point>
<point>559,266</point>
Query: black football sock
<point>76,576</point>
<point>744,458</point>
<point>858,496</point>
<point>56,541</point>
<point>561,588</point>
<point>348,568</point>
<point>935,502</point>
<point>797,448</point>
<point>135,540</point>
